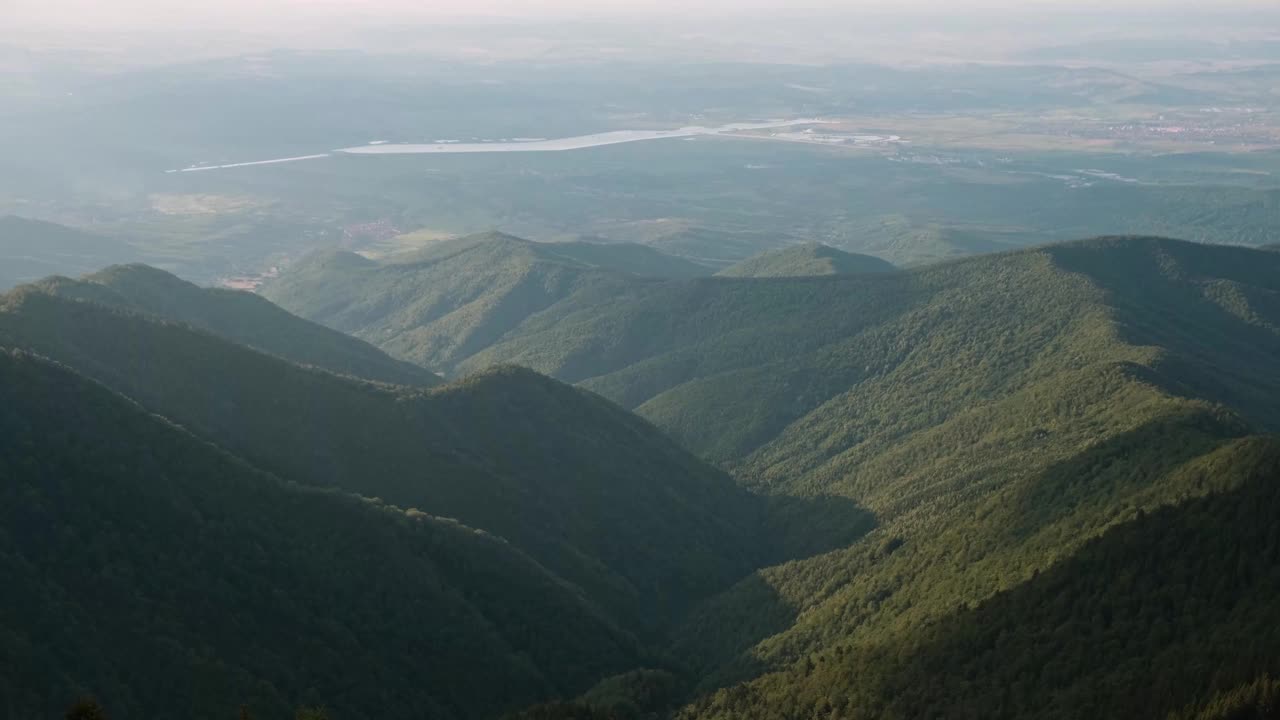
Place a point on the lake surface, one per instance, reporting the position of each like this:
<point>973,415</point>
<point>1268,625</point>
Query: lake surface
<point>198,168</point>
<point>578,142</point>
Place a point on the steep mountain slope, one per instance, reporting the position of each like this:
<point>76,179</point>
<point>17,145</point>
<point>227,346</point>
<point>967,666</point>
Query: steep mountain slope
<point>991,451</point>
<point>593,493</point>
<point>32,249</point>
<point>998,415</point>
<point>733,366</point>
<point>1060,447</point>
<point>1172,609</point>
<point>239,316</point>
<point>715,247</point>
<point>457,297</point>
<point>807,260</point>
<point>1256,700</point>
<point>630,258</point>
<point>167,577</point>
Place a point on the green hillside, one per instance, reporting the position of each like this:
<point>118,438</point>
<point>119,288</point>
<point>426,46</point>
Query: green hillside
<point>712,246</point>
<point>166,577</point>
<point>32,249</point>
<point>1051,391</point>
<point>755,370</point>
<point>1027,485</point>
<point>593,493</point>
<point>631,258</point>
<point>806,260</point>
<point>1172,609</point>
<point>998,415</point>
<point>1033,402</point>
<point>455,298</point>
<point>239,316</point>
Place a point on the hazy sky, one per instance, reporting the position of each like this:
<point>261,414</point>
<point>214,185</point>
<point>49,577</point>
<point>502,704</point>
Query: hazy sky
<point>258,13</point>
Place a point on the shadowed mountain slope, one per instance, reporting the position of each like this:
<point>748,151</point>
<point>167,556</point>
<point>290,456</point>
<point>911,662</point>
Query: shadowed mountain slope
<point>1057,444</point>
<point>454,298</point>
<point>997,414</point>
<point>592,492</point>
<point>1170,609</point>
<point>163,575</point>
<point>807,260</point>
<point>238,316</point>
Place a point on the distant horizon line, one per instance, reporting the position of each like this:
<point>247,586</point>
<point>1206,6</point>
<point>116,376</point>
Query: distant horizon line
<point>367,18</point>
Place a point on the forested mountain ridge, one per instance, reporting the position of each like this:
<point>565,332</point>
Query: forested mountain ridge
<point>164,576</point>
<point>780,349</point>
<point>998,487</point>
<point>238,316</point>
<point>453,299</point>
<point>1115,382</point>
<point>1172,609</point>
<point>805,260</point>
<point>997,414</point>
<point>593,493</point>
<point>777,349</point>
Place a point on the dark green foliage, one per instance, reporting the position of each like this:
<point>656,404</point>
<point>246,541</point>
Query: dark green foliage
<point>1148,618</point>
<point>630,258</point>
<point>1258,700</point>
<point>595,494</point>
<point>562,711</point>
<point>890,544</point>
<point>239,316</point>
<point>171,578</point>
<point>453,299</point>
<point>1215,311</point>
<point>637,694</point>
<point>804,260</point>
<point>86,709</point>
<point>1024,417</point>
<point>995,414</point>
<point>456,297</point>
<point>1072,503</point>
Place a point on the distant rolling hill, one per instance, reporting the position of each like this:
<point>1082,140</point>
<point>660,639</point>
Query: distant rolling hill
<point>806,260</point>
<point>629,258</point>
<point>778,350</point>
<point>1031,485</point>
<point>239,316</point>
<point>447,302</point>
<point>1003,417</point>
<point>32,249</point>
<point>206,475</point>
<point>715,247</point>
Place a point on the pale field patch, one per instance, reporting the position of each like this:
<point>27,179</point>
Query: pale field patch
<point>203,204</point>
<point>402,244</point>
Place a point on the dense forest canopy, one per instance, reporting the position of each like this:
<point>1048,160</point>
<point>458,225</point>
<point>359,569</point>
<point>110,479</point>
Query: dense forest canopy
<point>639,360</point>
<point>1034,484</point>
<point>806,259</point>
